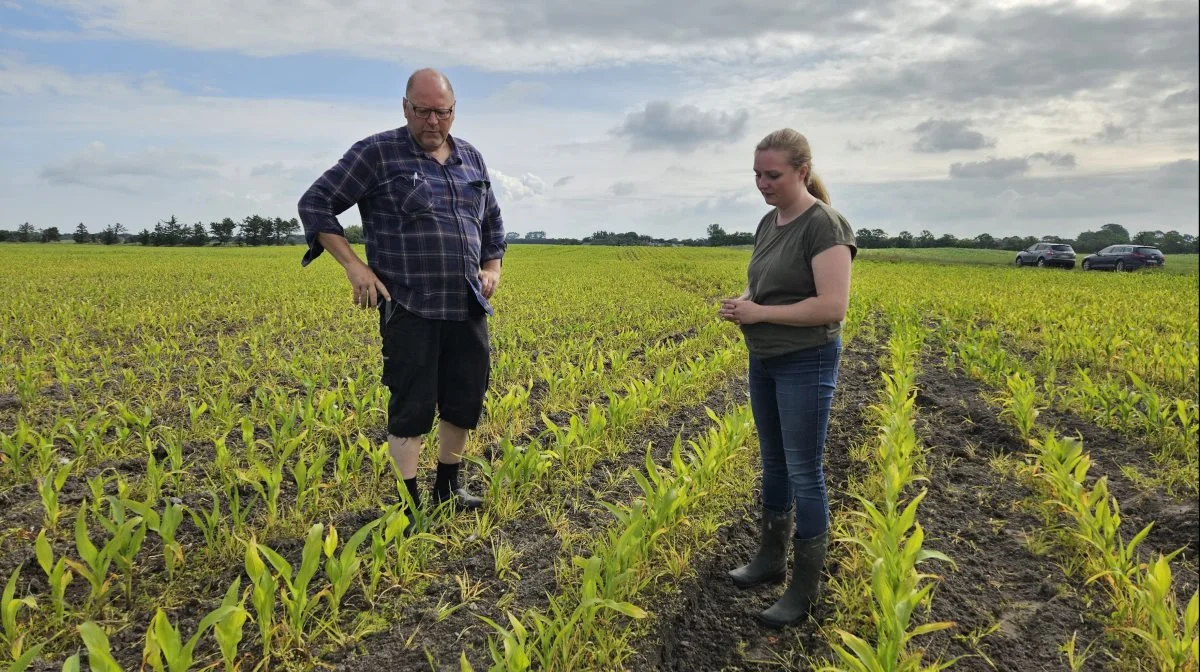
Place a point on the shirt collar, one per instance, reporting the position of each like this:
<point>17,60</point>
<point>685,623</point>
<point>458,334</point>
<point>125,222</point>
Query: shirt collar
<point>417,150</point>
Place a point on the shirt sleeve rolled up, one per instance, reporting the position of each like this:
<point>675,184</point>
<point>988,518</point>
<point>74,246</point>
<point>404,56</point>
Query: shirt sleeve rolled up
<point>338,188</point>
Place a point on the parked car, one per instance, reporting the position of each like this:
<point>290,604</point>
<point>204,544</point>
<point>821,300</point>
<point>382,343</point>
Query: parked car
<point>1047,254</point>
<point>1124,258</point>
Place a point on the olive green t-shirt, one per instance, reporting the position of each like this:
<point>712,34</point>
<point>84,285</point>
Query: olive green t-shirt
<point>780,273</point>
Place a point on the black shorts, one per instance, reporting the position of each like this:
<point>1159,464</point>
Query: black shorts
<point>440,367</point>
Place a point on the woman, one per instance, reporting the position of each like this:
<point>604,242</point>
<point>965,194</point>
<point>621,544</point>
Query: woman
<point>791,317</point>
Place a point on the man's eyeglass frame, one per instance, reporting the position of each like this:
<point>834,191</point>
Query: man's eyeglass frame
<point>424,112</point>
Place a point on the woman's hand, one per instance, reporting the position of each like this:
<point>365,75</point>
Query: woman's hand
<point>741,311</point>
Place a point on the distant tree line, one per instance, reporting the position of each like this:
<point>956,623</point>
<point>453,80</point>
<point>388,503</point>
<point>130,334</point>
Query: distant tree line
<point>253,230</point>
<point>257,230</point>
<point>1171,242</point>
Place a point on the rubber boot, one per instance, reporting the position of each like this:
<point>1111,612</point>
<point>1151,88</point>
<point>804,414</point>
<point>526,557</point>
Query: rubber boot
<point>770,563</point>
<point>808,560</point>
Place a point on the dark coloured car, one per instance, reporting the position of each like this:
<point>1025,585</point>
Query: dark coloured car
<point>1124,258</point>
<point>1047,254</point>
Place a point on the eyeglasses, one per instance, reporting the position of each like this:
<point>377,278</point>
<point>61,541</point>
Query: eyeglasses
<point>424,112</point>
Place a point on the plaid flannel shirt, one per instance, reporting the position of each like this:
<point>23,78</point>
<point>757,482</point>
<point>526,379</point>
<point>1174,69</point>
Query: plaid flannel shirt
<point>428,226</point>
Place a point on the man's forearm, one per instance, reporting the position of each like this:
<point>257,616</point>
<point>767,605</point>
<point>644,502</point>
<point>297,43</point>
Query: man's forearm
<point>491,265</point>
<point>339,247</point>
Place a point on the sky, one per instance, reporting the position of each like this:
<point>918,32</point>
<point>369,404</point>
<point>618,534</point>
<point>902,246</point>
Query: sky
<point>999,116</point>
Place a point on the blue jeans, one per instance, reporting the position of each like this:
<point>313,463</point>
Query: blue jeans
<point>790,396</point>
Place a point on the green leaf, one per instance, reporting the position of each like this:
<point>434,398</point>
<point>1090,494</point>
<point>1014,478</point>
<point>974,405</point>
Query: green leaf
<point>22,663</point>
<point>99,654</point>
<point>45,554</point>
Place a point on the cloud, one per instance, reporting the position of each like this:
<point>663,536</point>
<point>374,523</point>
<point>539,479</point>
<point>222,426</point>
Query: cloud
<point>622,188</point>
<point>995,169</point>
<point>526,36</point>
<point>1181,174</point>
<point>995,56</point>
<point>94,166</point>
<point>1185,98</point>
<point>685,128</point>
<point>518,91</point>
<point>945,135</point>
<point>1110,134</point>
<point>863,145</point>
<point>563,181</point>
<point>517,188</point>
<point>1056,159</point>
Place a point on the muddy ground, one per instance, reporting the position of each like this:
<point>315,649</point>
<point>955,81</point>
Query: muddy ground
<point>710,624</point>
<point>1012,605</point>
<point>419,641</point>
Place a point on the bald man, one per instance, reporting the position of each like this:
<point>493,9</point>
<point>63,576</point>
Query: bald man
<point>434,243</point>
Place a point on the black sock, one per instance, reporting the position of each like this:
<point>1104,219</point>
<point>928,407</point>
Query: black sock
<point>447,478</point>
<point>413,491</point>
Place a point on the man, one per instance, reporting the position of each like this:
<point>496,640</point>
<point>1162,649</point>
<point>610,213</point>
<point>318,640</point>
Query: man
<point>434,242</point>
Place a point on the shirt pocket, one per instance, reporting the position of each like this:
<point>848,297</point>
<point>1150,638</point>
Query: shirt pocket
<point>477,198</point>
<point>410,194</point>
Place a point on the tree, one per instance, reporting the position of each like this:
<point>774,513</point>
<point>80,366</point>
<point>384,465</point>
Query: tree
<point>255,230</point>
<point>282,228</point>
<point>81,234</point>
<point>985,241</point>
<point>512,235</point>
<point>1118,232</point>
<point>222,230</point>
<point>1175,243</point>
<point>6,235</point>
<point>354,234</point>
<point>112,234</point>
<point>145,237</point>
<point>926,239</point>
<point>904,240</point>
<point>716,235</point>
<point>26,233</point>
<point>169,233</point>
<point>1148,238</point>
<point>947,240</point>
<point>50,235</point>
<point>535,235</point>
<point>198,237</point>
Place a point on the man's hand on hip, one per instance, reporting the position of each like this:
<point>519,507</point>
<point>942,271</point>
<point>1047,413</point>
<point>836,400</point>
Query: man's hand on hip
<point>368,289</point>
<point>489,278</point>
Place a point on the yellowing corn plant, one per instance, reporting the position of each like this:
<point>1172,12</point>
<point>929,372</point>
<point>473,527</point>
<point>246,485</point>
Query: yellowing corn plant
<point>194,471</point>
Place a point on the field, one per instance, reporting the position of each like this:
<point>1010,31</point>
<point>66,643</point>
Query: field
<point>193,471</point>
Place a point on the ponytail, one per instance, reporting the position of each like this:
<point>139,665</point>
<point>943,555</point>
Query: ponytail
<point>817,188</point>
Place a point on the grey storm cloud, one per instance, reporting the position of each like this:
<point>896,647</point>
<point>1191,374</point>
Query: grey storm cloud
<point>1182,98</point>
<point>1109,134</point>
<point>1036,53</point>
<point>1003,168</point>
<point>863,145</point>
<point>995,169</point>
<point>1182,174</point>
<point>663,125</point>
<point>95,166</point>
<point>1056,159</point>
<point>945,135</point>
<point>677,22</point>
<point>622,188</point>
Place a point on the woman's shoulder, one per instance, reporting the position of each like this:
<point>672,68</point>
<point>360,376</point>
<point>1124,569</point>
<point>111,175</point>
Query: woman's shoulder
<point>826,212</point>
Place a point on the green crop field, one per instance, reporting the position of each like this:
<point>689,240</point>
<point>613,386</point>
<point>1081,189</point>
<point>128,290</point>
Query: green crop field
<point>194,474</point>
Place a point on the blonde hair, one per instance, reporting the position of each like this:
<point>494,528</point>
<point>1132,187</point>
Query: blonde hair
<point>795,146</point>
